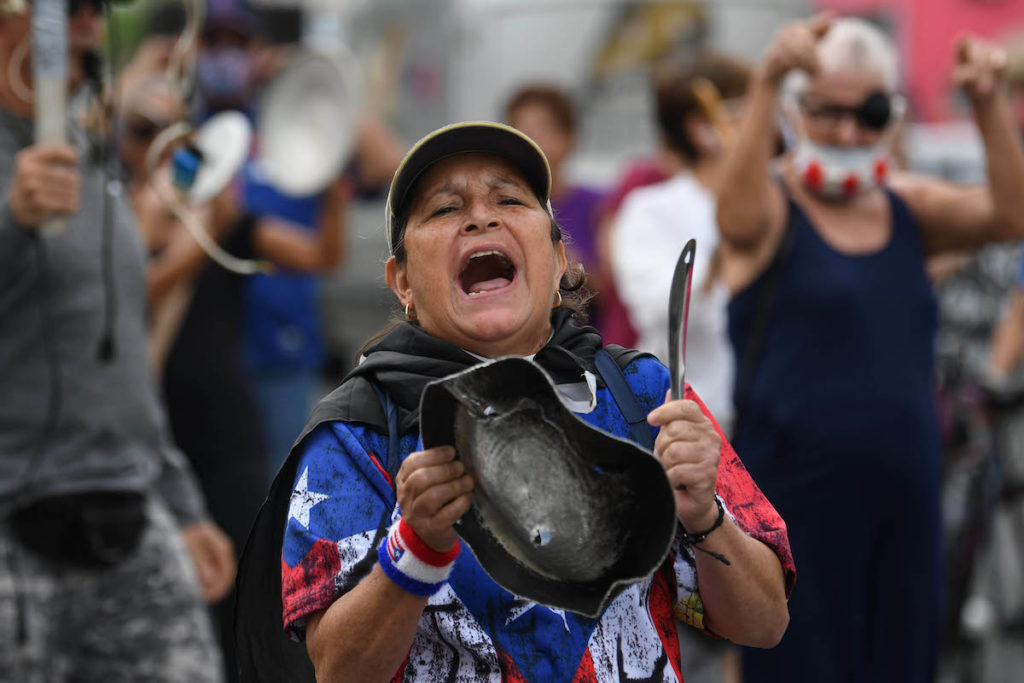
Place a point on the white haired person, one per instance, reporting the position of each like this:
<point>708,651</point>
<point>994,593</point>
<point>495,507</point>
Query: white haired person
<point>832,319</point>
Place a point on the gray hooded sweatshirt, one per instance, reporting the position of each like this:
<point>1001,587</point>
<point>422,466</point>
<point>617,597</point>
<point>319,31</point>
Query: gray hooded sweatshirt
<point>71,420</point>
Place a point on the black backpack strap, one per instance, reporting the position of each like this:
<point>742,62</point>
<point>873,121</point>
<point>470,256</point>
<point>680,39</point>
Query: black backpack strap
<point>628,403</point>
<point>394,457</point>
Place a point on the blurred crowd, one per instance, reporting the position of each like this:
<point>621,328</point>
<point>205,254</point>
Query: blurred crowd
<point>825,268</point>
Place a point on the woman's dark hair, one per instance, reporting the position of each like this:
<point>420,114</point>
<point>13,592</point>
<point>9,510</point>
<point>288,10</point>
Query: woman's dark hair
<point>572,287</point>
<point>675,99</point>
<point>554,99</point>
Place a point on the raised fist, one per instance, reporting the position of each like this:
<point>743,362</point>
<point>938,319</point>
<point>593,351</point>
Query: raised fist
<point>980,67</point>
<point>796,47</point>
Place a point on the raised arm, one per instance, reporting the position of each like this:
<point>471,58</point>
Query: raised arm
<point>295,248</point>
<point>378,153</point>
<point>751,208</point>
<point>953,217</point>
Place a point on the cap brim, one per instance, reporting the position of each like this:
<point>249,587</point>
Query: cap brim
<point>460,138</point>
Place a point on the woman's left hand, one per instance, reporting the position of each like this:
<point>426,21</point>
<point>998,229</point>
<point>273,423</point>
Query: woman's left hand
<point>690,449</point>
<point>980,67</point>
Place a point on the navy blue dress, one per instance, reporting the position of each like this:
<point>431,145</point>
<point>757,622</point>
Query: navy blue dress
<point>839,430</point>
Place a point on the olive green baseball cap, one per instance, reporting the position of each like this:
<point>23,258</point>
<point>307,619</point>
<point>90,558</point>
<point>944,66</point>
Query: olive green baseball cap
<point>460,138</point>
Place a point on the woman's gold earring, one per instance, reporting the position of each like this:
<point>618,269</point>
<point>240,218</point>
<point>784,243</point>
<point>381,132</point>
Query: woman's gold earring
<point>410,312</point>
<point>558,299</point>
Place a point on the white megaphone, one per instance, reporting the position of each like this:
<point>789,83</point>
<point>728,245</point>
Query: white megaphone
<point>308,120</point>
<point>214,154</point>
<point>202,166</point>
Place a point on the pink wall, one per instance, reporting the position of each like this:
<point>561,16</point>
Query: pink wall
<point>926,31</point>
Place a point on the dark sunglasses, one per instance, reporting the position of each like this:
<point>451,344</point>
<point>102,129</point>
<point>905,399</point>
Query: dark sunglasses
<point>874,113</point>
<point>143,129</point>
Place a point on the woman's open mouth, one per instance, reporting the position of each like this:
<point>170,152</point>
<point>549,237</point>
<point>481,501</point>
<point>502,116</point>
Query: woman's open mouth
<point>486,271</point>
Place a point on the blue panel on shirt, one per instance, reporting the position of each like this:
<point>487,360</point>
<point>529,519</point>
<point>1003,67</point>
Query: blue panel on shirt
<point>360,494</point>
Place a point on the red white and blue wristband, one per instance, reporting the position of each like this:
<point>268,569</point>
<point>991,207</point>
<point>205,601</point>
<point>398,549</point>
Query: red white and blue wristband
<point>412,564</point>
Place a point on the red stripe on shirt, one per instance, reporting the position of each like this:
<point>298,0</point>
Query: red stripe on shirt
<point>309,586</point>
<point>661,603</point>
<point>585,673</point>
<point>509,671</point>
<point>376,462</point>
<point>756,516</point>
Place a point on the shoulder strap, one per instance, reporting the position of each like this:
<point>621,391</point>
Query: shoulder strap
<point>394,457</point>
<point>762,315</point>
<point>628,403</point>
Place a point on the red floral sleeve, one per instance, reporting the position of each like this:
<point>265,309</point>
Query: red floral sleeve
<point>750,509</point>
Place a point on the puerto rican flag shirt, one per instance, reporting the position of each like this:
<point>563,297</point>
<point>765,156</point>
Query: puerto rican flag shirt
<point>472,629</point>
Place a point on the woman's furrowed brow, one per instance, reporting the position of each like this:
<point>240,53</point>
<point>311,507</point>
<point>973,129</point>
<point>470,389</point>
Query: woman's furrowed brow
<point>493,182</point>
<point>447,188</point>
<point>498,181</point>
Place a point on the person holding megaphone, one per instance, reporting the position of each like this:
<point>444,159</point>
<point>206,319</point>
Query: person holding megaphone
<point>99,510</point>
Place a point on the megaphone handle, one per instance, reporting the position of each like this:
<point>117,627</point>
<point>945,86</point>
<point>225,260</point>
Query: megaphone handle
<point>173,201</point>
<point>216,253</point>
<point>49,117</point>
<point>50,76</point>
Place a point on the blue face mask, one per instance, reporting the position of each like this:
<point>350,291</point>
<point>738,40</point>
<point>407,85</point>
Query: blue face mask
<point>224,78</point>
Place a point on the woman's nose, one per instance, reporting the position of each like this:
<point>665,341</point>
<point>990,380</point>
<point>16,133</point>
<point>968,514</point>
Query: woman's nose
<point>847,131</point>
<point>481,215</point>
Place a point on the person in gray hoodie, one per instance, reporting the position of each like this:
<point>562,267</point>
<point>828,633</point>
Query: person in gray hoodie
<point>99,513</point>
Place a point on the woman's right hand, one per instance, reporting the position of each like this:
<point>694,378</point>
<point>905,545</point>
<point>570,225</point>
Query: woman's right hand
<point>434,491</point>
<point>46,184</point>
<point>795,47</point>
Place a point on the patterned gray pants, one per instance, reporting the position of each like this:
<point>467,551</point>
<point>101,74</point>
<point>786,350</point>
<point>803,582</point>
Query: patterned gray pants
<point>140,621</point>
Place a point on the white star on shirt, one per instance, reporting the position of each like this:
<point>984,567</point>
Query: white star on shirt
<point>303,500</point>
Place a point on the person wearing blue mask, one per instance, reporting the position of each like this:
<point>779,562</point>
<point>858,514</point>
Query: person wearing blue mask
<point>226,77</point>
<point>833,319</point>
